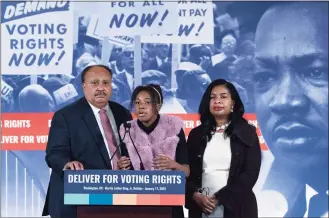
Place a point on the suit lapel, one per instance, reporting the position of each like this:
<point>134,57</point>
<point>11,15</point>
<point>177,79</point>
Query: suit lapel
<point>91,122</point>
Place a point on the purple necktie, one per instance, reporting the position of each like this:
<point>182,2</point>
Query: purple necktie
<point>108,131</point>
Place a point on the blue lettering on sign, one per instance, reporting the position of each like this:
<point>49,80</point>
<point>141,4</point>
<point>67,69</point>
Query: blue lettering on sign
<point>132,20</point>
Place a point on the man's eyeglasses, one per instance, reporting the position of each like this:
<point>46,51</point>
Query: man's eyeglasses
<point>117,50</point>
<point>128,54</point>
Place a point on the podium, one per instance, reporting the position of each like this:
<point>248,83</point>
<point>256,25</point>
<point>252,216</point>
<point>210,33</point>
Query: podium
<point>124,194</point>
<point>123,212</point>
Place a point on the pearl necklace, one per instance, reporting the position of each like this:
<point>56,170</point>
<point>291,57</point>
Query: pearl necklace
<point>222,127</point>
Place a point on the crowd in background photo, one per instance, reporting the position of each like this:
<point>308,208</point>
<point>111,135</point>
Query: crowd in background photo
<point>230,58</point>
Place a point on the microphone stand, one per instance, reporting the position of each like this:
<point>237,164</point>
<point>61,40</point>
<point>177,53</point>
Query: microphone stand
<point>140,159</point>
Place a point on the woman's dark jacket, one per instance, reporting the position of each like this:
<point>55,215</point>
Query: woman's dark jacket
<point>237,196</point>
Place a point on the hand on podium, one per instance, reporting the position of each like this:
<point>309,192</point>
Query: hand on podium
<point>73,165</point>
<point>124,163</point>
<point>163,162</point>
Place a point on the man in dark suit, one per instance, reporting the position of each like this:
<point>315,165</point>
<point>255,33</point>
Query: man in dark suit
<point>124,80</point>
<point>83,135</point>
<point>161,61</point>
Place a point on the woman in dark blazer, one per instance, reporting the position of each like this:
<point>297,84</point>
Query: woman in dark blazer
<point>221,111</point>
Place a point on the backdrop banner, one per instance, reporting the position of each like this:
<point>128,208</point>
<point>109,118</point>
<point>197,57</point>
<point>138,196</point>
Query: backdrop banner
<point>275,53</point>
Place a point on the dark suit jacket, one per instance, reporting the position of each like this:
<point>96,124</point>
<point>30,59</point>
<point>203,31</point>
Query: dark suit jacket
<point>237,196</point>
<point>221,70</point>
<point>121,81</point>
<point>151,65</point>
<point>164,68</point>
<point>75,136</point>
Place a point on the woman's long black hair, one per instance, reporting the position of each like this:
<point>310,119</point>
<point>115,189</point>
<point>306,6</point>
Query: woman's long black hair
<point>208,120</point>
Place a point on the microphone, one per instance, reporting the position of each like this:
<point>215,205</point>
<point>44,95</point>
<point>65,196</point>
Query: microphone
<point>128,126</point>
<point>121,141</point>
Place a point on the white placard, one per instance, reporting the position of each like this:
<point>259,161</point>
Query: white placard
<point>6,91</point>
<point>130,18</point>
<point>116,40</point>
<point>65,94</point>
<point>36,37</point>
<point>195,25</point>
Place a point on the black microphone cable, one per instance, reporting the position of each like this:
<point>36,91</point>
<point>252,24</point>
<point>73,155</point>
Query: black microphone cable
<point>140,159</point>
<point>121,141</point>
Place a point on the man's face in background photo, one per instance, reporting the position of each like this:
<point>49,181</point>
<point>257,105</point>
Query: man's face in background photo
<point>128,58</point>
<point>162,50</point>
<point>228,44</point>
<point>116,53</point>
<point>291,84</point>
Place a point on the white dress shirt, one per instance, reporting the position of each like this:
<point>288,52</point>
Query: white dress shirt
<point>160,61</point>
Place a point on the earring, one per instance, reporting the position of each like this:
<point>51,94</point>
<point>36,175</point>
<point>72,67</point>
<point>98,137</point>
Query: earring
<point>232,109</point>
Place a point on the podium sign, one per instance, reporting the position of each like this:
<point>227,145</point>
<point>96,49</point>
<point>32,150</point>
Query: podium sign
<point>124,187</point>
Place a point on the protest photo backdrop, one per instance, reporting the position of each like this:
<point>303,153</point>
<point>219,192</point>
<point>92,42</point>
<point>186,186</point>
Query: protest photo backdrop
<point>276,54</point>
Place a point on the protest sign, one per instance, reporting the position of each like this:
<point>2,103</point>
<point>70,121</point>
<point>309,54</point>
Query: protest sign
<point>83,7</point>
<point>65,93</point>
<point>193,25</point>
<point>6,91</point>
<point>121,18</point>
<point>37,37</point>
<point>116,40</point>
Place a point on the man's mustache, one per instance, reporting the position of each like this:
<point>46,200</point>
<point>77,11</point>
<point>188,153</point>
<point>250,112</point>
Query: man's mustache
<point>100,93</point>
